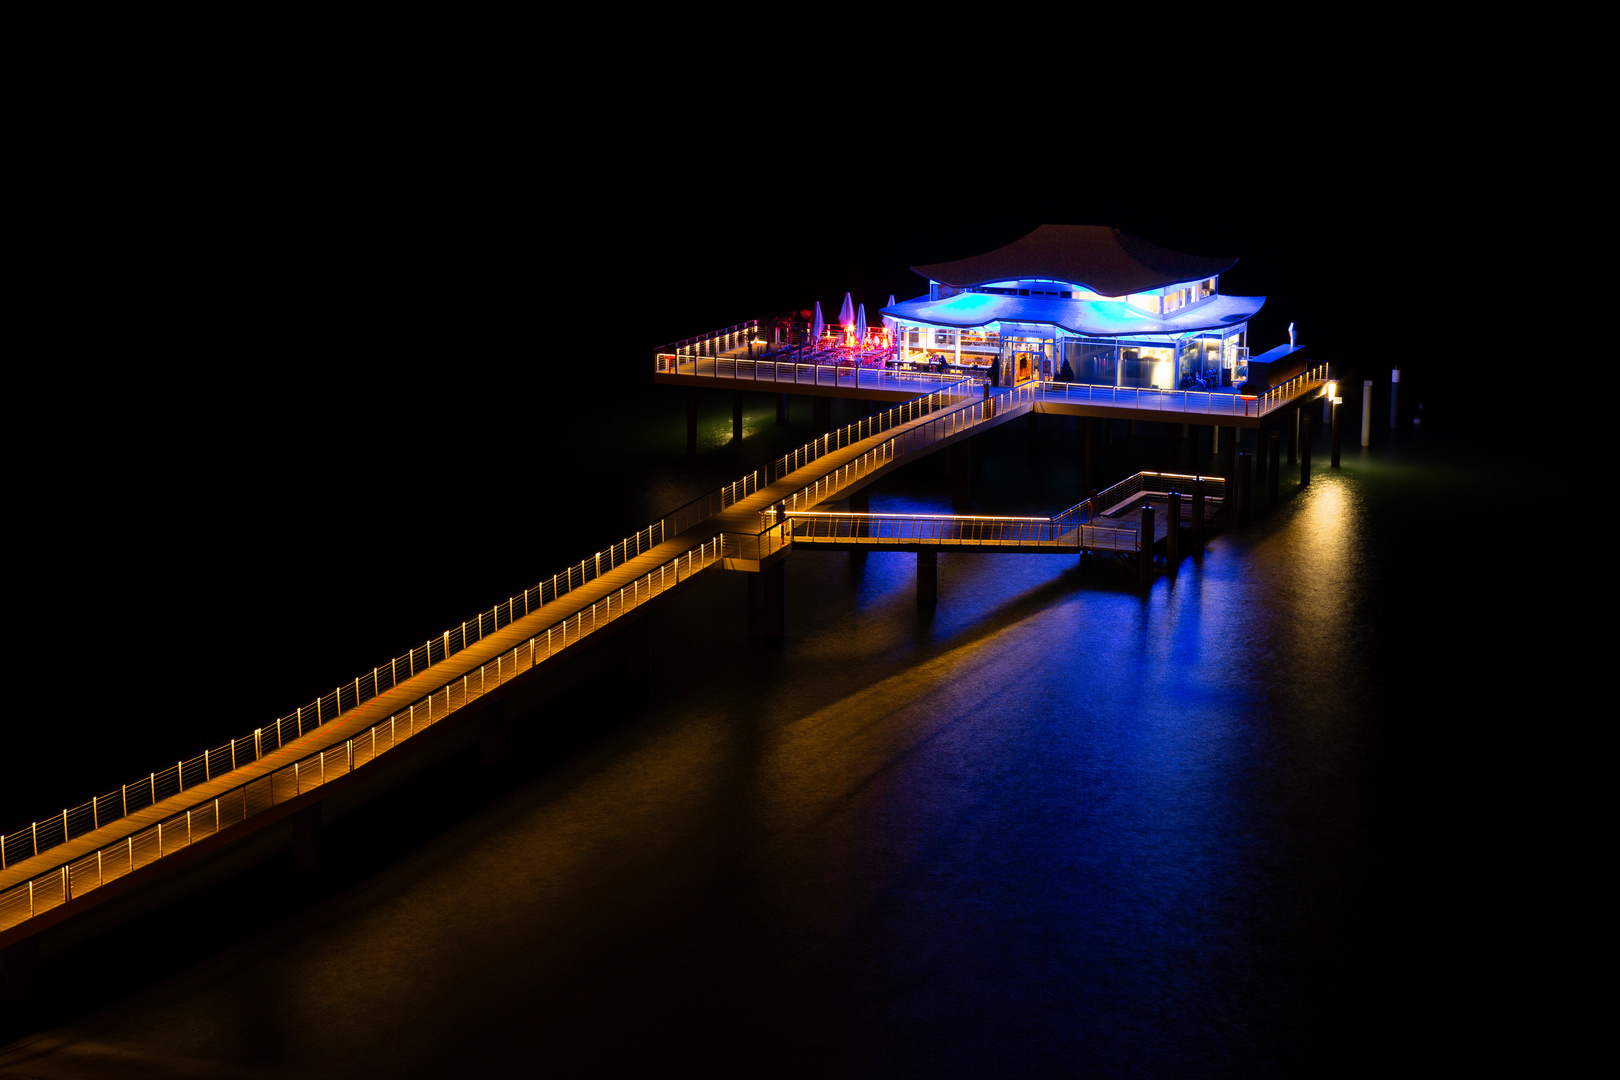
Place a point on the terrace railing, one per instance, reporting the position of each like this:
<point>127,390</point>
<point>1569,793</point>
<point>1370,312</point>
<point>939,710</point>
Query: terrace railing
<point>715,342</point>
<point>803,373</point>
<point>1207,402</point>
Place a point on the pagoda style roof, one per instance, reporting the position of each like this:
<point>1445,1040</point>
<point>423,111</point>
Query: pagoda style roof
<point>1088,318</point>
<point>1102,259</point>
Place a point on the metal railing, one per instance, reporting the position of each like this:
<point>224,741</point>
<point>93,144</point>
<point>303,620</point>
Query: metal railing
<point>715,342</point>
<point>909,441</point>
<point>245,749</point>
<point>804,373</point>
<point>45,891</point>
<point>44,834</point>
<point>900,529</point>
<point>1156,483</point>
<point>1208,402</point>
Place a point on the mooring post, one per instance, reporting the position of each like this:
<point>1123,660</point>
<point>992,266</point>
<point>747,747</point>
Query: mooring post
<point>1144,541</point>
<point>1271,476</point>
<point>1304,449</point>
<point>1366,412</point>
<point>1394,392</point>
<point>927,578</point>
<point>1172,535</point>
<point>1338,408</point>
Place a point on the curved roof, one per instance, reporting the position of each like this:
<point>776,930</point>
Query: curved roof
<point>1089,318</point>
<point>1102,259</point>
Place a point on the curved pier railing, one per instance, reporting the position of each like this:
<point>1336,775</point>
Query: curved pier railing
<point>1208,402</point>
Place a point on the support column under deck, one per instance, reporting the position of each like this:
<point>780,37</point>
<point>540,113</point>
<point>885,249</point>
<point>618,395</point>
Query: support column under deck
<point>773,582</point>
<point>927,578</point>
<point>691,422</point>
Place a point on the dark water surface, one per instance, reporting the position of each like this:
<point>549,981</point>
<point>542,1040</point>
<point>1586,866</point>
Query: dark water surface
<point>1059,825</point>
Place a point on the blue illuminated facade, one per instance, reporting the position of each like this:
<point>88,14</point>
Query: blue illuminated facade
<point>1080,303</point>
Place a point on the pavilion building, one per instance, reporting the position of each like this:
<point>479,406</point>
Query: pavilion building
<point>1080,303</point>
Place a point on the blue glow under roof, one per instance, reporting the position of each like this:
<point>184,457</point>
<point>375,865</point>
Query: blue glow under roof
<point>1090,318</point>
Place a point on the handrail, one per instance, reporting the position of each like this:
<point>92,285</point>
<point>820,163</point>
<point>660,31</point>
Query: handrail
<point>729,331</point>
<point>57,886</point>
<point>800,372</point>
<point>1157,483</point>
<point>963,530</point>
<point>907,441</point>
<point>44,834</point>
<point>1150,399</point>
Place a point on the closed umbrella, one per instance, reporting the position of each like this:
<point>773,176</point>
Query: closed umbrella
<point>846,315</point>
<point>817,325</point>
<point>860,325</point>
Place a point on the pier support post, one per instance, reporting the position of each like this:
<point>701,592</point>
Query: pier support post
<point>927,578</point>
<point>1229,462</point>
<point>1243,491</point>
<point>1260,455</point>
<point>774,582</point>
<point>306,843</point>
<point>1198,519</point>
<point>638,648</point>
<point>1293,434</point>
<point>19,966</point>
<point>691,422</point>
<point>492,734</point>
<point>781,408</point>
<point>1172,536</point>
<point>736,415</point>
<point>1366,412</point>
<point>1394,392</point>
<point>1275,448</point>
<point>1304,449</point>
<point>1144,556</point>
<point>1089,434</point>
<point>822,419</point>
